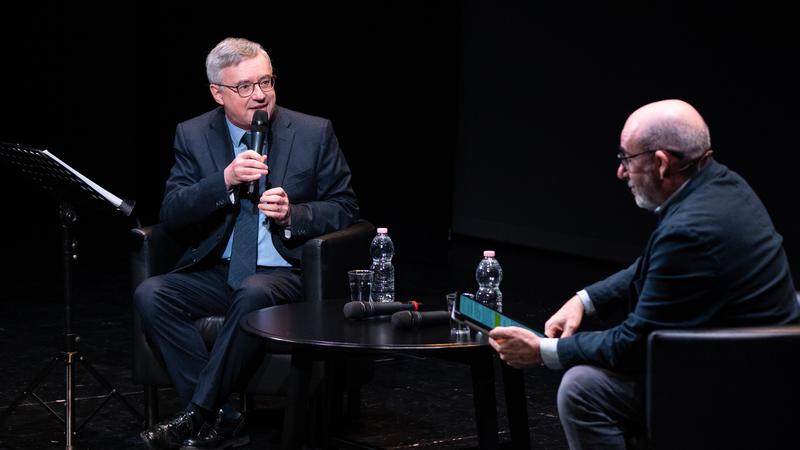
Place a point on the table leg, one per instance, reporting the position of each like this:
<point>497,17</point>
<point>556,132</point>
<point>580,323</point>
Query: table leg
<point>297,404</point>
<point>516,406</point>
<point>485,401</point>
<point>320,429</point>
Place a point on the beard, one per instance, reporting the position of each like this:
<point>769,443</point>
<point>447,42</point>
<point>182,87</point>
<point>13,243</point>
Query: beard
<point>646,192</point>
<point>645,202</point>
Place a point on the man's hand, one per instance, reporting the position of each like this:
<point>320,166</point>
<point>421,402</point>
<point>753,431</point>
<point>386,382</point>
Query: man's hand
<point>274,203</point>
<point>566,320</point>
<point>518,347</point>
<point>247,166</point>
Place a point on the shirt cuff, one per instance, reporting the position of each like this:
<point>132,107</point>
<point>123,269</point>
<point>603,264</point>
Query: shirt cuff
<point>588,306</point>
<point>548,350</point>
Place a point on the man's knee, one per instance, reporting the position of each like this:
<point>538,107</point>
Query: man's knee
<point>252,296</point>
<point>575,385</point>
<point>146,298</point>
<point>143,298</point>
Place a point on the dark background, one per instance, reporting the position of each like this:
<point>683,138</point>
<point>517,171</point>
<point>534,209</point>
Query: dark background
<point>545,91</point>
<point>468,125</point>
<point>495,122</point>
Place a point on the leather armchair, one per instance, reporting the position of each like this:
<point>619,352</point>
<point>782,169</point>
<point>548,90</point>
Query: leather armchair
<point>727,388</point>
<point>325,261</point>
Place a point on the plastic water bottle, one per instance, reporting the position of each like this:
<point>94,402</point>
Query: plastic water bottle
<point>382,251</point>
<point>489,274</point>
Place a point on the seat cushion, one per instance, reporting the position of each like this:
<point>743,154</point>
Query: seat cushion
<point>209,328</point>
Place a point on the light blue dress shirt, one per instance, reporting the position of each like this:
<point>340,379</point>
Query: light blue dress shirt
<point>268,256</point>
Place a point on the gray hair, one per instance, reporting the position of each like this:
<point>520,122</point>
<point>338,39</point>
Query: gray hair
<point>229,52</point>
<point>690,141</point>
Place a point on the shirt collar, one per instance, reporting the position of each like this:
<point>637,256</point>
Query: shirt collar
<point>235,132</point>
<point>661,207</point>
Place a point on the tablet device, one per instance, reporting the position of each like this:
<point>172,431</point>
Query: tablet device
<point>480,317</point>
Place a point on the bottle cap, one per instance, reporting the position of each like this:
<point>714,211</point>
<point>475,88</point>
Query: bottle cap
<point>489,253</point>
<point>383,230</point>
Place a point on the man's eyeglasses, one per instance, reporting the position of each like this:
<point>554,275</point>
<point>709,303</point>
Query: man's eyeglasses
<point>625,159</point>
<point>245,90</point>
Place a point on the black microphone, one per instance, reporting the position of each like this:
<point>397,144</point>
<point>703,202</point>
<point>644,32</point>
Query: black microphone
<point>416,319</point>
<point>259,128</point>
<point>360,310</point>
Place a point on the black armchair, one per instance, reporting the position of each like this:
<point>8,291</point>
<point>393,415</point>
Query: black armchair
<point>734,388</point>
<point>325,260</point>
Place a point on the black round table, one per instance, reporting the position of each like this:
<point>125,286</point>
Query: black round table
<point>318,331</point>
<point>320,325</point>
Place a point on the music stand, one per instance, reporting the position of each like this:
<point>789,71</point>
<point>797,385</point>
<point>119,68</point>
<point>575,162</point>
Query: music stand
<point>69,187</point>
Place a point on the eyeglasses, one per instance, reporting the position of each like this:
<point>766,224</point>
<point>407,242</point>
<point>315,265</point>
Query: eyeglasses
<point>626,159</point>
<point>245,90</point>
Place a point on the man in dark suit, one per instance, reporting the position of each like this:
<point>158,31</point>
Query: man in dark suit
<point>304,190</point>
<point>714,260</point>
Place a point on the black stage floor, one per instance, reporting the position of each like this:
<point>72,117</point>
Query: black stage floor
<point>412,402</point>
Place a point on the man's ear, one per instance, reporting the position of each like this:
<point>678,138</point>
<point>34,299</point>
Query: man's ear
<point>216,94</point>
<point>663,163</point>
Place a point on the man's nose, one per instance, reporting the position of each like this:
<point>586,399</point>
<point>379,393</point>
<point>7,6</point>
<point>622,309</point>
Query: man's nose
<point>622,172</point>
<point>258,92</point>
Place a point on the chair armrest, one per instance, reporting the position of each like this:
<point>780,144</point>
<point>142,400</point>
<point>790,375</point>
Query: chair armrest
<point>723,388</point>
<point>327,258</point>
<point>153,252</point>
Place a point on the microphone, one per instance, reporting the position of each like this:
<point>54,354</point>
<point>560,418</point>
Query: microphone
<point>360,310</point>
<point>415,319</point>
<point>259,128</point>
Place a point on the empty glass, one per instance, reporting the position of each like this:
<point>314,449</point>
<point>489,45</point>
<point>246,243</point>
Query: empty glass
<point>360,285</point>
<point>456,327</point>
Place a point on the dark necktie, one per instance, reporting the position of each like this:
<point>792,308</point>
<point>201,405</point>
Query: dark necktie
<point>244,250</point>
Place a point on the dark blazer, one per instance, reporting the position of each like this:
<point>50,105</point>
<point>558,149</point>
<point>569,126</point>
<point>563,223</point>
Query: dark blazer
<point>304,159</point>
<point>714,260</point>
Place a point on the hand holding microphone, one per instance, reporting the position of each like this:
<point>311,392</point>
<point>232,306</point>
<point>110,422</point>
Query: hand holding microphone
<point>361,310</point>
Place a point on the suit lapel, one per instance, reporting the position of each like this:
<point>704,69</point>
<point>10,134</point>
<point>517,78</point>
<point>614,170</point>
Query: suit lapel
<point>641,273</point>
<point>278,157</point>
<point>219,138</point>
<point>699,179</point>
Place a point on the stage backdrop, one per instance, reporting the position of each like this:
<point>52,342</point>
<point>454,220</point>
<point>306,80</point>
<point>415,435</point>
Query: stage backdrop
<point>499,120</point>
<point>545,91</point>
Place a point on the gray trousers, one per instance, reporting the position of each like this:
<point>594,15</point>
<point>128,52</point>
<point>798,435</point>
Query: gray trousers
<point>601,409</point>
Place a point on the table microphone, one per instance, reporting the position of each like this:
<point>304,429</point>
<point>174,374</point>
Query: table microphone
<point>416,319</point>
<point>360,310</point>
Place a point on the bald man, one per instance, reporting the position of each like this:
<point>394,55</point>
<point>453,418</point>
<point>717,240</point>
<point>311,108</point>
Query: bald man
<point>714,260</point>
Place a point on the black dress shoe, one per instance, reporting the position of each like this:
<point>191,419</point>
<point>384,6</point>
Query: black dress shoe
<point>223,434</point>
<point>172,432</point>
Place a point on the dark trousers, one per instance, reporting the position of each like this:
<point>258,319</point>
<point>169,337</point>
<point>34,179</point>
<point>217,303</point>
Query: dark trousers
<point>170,303</point>
<point>600,408</point>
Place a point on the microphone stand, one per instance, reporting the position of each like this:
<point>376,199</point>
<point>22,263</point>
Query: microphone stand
<point>70,356</point>
<point>68,186</point>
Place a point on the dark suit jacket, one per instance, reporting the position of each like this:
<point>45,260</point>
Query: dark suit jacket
<point>714,260</point>
<point>304,159</point>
